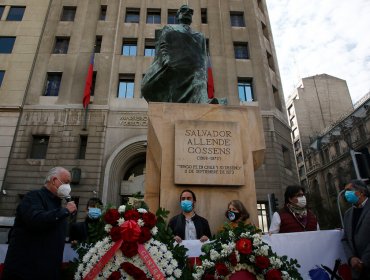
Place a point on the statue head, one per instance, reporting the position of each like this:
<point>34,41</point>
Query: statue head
<point>184,15</point>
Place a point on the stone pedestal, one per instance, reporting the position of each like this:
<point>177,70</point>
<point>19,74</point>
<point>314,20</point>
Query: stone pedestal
<point>211,149</point>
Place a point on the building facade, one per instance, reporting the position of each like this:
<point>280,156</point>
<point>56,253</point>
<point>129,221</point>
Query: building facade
<point>335,156</point>
<point>316,103</point>
<point>106,147</point>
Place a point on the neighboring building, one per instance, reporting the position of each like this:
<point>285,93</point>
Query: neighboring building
<point>317,102</point>
<point>107,152</point>
<point>338,154</point>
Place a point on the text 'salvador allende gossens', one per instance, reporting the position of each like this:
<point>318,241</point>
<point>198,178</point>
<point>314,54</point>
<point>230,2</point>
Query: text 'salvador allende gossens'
<point>208,142</point>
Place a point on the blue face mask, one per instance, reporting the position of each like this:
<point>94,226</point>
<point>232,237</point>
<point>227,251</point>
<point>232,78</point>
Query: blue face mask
<point>351,197</point>
<point>187,205</point>
<point>94,213</point>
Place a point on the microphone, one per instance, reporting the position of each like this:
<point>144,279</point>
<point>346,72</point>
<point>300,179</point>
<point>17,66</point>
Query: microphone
<point>68,198</point>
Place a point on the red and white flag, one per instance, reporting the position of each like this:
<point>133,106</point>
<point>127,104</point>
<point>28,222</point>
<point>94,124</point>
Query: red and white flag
<point>88,83</point>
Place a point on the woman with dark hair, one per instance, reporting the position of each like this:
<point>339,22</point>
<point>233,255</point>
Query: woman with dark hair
<point>294,216</point>
<point>81,232</point>
<point>236,212</point>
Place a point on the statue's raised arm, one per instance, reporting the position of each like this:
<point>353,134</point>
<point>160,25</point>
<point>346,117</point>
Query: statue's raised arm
<point>178,73</point>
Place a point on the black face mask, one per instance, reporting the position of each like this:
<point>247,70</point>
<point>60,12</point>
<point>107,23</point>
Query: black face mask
<point>232,216</point>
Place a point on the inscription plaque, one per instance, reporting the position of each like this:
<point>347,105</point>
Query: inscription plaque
<point>208,153</point>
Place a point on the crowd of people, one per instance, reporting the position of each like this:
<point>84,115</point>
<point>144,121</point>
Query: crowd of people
<point>37,239</point>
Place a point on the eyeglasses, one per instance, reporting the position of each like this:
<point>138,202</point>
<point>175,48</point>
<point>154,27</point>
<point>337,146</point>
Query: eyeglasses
<point>60,181</point>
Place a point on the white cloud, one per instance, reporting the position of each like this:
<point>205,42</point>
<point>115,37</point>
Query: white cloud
<point>328,36</point>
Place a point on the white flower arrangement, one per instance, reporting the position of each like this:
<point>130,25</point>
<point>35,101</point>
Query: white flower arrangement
<point>158,251</point>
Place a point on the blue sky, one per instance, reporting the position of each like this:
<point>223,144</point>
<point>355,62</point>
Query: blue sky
<point>322,36</point>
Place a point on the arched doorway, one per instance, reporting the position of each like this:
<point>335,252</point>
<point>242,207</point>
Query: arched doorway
<point>126,161</point>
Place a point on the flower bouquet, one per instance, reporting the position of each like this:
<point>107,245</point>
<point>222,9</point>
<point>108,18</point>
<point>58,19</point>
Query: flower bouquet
<point>239,253</point>
<point>136,245</point>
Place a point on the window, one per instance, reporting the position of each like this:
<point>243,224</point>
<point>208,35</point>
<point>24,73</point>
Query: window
<point>337,148</point>
<point>98,41</point>
<point>6,44</point>
<point>149,48</point>
<point>277,99</point>
<point>153,17</point>
<point>297,145</point>
<point>237,19</point>
<point>265,30</point>
<point>126,87</point>
<point>290,110</point>
<point>39,146</point>
<point>241,50</point>
<point>68,13</point>
<point>286,157</point>
<point>245,90</point>
<point>171,18</point>
<point>295,133</point>
<point>83,146</point>
<point>2,73</point>
<point>129,47</point>
<point>301,171</point>
<point>103,12</point>
<point>299,158</point>
<point>1,11</point>
<point>52,84</point>
<point>270,60</point>
<point>132,15</point>
<point>203,14</point>
<point>15,13</point>
<point>262,216</point>
<point>61,45</point>
<point>92,92</point>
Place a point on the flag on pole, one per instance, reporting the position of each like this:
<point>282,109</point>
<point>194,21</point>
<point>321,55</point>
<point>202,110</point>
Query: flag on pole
<point>88,83</point>
<point>210,84</point>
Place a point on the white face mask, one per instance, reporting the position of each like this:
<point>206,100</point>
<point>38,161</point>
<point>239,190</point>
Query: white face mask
<point>64,190</point>
<point>302,202</point>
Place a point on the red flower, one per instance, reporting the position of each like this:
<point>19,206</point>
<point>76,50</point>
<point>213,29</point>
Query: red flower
<point>116,233</point>
<point>209,277</point>
<point>145,235</point>
<point>262,262</point>
<point>132,215</point>
<point>221,269</point>
<point>130,231</point>
<point>194,261</point>
<point>111,216</point>
<point>129,249</point>
<point>149,219</point>
<point>233,259</point>
<point>116,275</point>
<point>134,271</point>
<point>244,246</point>
<point>273,274</point>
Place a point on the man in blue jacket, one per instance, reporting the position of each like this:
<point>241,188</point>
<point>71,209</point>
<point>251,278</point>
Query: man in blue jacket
<point>36,242</point>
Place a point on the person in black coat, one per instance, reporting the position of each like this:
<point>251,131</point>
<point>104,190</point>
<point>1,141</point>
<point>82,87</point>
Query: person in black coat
<point>79,232</point>
<point>356,237</point>
<point>188,225</point>
<point>36,243</point>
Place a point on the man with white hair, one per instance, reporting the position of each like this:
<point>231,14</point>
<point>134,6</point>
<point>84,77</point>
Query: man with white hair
<point>356,239</point>
<point>36,242</point>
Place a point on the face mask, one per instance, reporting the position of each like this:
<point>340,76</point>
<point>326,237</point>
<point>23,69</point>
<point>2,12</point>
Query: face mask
<point>187,205</point>
<point>233,216</point>
<point>64,190</point>
<point>94,213</point>
<point>351,197</point>
<point>302,202</point>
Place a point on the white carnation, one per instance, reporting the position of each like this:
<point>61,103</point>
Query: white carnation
<point>108,227</point>
<point>142,210</point>
<point>122,209</point>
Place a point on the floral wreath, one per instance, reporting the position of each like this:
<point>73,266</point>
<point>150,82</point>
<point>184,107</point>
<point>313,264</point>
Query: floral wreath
<point>131,248</point>
<point>240,250</point>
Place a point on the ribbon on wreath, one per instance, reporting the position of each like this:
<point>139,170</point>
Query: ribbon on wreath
<point>129,231</point>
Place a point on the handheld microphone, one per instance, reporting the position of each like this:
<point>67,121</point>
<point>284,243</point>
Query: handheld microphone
<point>68,198</point>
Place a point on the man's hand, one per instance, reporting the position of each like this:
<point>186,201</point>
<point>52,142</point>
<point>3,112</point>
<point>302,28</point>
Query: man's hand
<point>178,239</point>
<point>357,264</point>
<point>203,238</point>
<point>71,207</point>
